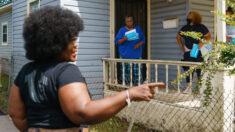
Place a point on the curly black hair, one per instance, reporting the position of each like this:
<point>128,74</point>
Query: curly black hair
<point>48,31</point>
<point>230,9</point>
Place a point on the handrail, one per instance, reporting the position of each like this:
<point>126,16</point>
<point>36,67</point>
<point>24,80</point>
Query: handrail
<point>110,72</point>
<point>154,61</point>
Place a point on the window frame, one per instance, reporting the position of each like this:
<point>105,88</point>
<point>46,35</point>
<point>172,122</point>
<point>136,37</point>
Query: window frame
<point>5,24</point>
<point>28,5</point>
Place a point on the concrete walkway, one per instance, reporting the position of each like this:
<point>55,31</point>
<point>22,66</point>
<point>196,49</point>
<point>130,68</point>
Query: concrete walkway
<point>6,125</point>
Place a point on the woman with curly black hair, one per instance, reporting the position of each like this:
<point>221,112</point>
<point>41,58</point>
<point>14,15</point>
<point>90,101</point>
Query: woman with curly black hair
<point>51,94</point>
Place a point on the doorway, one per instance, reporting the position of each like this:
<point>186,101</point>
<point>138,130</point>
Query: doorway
<point>137,9</point>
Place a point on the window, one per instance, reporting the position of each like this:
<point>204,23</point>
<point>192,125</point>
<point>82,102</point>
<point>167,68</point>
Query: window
<point>4,33</point>
<point>33,5</point>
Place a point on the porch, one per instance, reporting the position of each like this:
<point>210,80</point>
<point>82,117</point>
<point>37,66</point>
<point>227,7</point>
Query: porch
<point>171,109</point>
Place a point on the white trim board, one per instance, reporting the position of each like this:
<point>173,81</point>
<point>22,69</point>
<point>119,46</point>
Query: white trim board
<point>3,24</point>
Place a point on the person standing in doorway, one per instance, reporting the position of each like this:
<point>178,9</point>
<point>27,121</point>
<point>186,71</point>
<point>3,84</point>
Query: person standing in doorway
<point>230,30</point>
<point>194,21</point>
<point>130,48</point>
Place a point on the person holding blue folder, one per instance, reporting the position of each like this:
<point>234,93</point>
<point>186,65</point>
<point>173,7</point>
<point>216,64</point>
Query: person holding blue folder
<point>191,47</point>
<point>130,40</point>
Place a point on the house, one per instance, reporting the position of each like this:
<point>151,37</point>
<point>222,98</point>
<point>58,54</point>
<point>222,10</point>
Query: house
<point>102,19</point>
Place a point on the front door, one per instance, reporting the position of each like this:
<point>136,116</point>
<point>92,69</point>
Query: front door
<point>137,9</point>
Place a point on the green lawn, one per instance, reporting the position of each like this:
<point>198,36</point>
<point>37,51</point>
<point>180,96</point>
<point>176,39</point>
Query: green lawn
<point>116,125</point>
<point>4,81</point>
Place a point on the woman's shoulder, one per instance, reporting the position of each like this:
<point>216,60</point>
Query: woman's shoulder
<point>123,28</point>
<point>64,65</point>
<point>202,25</point>
<point>137,27</point>
<point>67,67</point>
<point>27,66</point>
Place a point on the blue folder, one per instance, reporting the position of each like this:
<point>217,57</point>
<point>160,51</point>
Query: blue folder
<point>194,51</point>
<point>131,35</point>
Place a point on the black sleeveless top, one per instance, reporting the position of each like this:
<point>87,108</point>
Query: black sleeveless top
<point>189,41</point>
<point>39,85</point>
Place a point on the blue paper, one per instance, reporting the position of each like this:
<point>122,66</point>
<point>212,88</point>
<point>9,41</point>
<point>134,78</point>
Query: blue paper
<point>194,51</point>
<point>131,35</point>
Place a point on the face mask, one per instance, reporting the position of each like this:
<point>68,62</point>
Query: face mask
<point>189,21</point>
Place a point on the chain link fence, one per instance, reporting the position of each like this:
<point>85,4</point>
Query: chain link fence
<point>5,82</point>
<point>173,110</point>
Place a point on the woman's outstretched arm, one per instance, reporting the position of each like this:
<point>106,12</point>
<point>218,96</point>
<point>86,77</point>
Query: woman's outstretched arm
<point>79,108</point>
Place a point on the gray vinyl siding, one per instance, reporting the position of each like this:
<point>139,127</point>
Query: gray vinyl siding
<point>94,41</point>
<point>164,45</point>
<point>19,11</point>
<point>204,7</point>
<point>5,50</point>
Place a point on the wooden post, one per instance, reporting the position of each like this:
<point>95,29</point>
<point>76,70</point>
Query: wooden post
<point>149,29</point>
<point>179,72</point>
<point>156,76</point>
<point>105,74</point>
<point>221,25</point>
<point>112,36</point>
<point>167,78</point>
<point>220,112</point>
<point>148,72</point>
<point>228,108</point>
<point>228,84</point>
<point>131,79</point>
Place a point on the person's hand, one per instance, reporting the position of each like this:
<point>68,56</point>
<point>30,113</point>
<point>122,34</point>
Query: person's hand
<point>125,38</point>
<point>228,39</point>
<point>200,45</point>
<point>143,92</point>
<point>137,45</point>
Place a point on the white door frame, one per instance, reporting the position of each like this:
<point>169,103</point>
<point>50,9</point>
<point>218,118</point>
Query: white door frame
<point>112,29</point>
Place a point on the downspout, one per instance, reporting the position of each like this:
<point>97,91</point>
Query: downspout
<point>11,77</point>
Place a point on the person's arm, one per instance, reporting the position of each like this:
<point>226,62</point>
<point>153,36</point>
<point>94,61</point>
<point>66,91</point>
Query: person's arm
<point>120,38</point>
<point>17,110</point>
<point>121,41</point>
<point>78,107</point>
<point>207,35</point>
<point>228,39</point>
<point>142,38</point>
<point>207,38</point>
<point>138,44</point>
<point>178,37</point>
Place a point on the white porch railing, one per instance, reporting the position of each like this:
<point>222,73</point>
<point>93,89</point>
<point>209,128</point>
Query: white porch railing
<point>110,72</point>
<point>176,111</point>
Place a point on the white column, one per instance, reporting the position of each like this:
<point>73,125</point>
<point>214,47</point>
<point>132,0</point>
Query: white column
<point>228,106</point>
<point>221,25</point>
<point>228,83</point>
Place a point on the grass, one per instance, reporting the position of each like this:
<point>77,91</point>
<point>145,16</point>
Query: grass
<point>116,125</point>
<point>4,81</point>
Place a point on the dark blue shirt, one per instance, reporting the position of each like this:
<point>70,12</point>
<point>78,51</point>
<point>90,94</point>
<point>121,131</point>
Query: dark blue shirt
<point>39,85</point>
<point>189,41</point>
<point>126,49</point>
